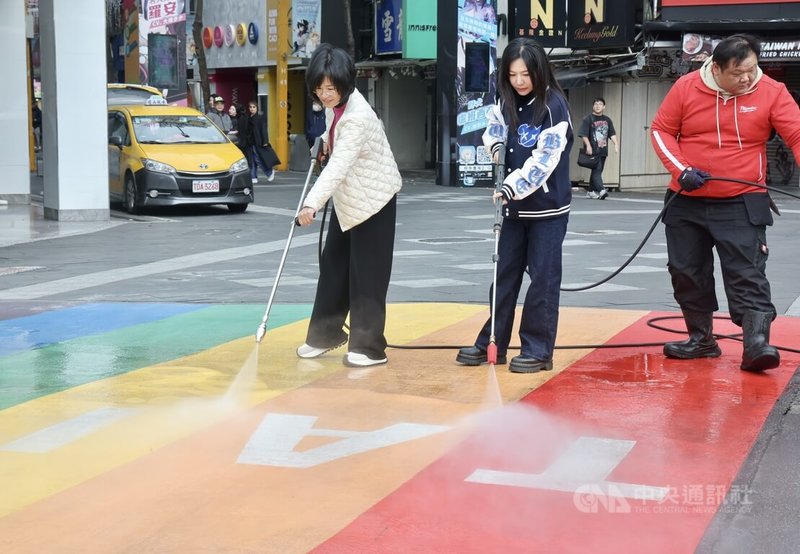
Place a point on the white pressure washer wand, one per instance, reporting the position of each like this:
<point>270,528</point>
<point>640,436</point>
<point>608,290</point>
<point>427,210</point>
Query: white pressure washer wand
<point>491,349</point>
<point>262,329</point>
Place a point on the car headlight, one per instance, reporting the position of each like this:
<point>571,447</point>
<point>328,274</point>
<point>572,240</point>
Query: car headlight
<point>239,166</point>
<point>158,167</point>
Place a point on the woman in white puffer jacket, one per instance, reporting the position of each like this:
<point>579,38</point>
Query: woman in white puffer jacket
<point>362,178</point>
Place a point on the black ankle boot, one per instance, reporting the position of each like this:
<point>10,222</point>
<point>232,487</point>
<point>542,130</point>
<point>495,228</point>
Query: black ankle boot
<point>701,343</point>
<point>758,355</point>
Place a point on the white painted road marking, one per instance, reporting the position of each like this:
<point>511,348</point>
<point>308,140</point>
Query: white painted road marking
<point>66,431</point>
<point>273,443</point>
<point>585,464</point>
<point>89,280</point>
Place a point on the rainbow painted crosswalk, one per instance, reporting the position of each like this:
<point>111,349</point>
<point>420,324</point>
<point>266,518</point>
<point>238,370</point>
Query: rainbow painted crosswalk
<point>165,428</point>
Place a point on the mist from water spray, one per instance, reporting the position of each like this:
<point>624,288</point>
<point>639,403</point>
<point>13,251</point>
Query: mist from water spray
<point>493,399</point>
<point>210,409</point>
<point>245,379</point>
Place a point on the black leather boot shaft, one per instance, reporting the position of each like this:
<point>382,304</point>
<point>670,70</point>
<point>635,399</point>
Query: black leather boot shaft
<point>700,344</point>
<point>758,355</point>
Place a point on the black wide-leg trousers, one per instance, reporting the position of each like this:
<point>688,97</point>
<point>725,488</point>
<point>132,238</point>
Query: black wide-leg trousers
<point>354,273</point>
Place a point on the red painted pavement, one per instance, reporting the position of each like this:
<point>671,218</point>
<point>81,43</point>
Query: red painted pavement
<point>693,422</point>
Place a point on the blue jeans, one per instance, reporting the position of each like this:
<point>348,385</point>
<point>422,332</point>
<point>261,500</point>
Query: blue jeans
<point>255,162</point>
<point>536,245</point>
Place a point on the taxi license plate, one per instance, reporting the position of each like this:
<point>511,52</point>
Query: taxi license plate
<point>211,185</point>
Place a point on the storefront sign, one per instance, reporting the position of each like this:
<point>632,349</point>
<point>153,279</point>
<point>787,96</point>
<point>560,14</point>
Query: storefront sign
<point>208,37</point>
<point>160,13</point>
<point>476,80</point>
<point>543,20</point>
<point>252,33</point>
<point>272,29</point>
<point>600,24</point>
<point>241,34</point>
<point>780,50</point>
<point>697,48</point>
<point>419,32</point>
<point>695,3</point>
<point>388,27</point>
<point>230,33</point>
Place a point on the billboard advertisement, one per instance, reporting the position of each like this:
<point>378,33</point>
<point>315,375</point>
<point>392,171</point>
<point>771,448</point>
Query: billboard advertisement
<point>306,19</point>
<point>476,78</point>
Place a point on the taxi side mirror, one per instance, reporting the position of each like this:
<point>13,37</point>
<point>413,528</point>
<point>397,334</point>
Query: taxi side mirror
<point>115,140</point>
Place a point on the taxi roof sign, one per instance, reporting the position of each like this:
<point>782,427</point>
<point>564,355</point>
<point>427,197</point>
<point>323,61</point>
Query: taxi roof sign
<point>156,100</point>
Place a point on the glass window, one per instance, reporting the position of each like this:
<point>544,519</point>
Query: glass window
<point>176,129</point>
<point>118,128</point>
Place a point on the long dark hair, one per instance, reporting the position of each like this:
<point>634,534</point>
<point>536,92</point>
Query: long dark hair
<point>544,82</point>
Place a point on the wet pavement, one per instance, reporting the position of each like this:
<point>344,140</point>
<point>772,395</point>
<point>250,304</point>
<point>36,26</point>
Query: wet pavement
<point>137,413</point>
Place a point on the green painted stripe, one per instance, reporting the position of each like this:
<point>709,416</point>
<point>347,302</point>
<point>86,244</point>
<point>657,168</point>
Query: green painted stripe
<point>57,367</point>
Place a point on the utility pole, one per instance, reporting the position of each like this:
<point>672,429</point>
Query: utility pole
<point>281,144</point>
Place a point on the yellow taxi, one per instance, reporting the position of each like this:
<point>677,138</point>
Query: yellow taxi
<point>128,93</point>
<point>161,155</point>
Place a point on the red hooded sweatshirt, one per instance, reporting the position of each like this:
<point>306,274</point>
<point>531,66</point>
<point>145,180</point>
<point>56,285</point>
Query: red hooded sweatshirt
<point>701,126</point>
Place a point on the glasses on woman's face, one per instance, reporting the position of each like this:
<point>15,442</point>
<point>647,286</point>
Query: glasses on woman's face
<point>325,91</point>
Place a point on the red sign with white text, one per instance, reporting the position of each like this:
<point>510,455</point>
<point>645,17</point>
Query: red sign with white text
<point>685,3</point>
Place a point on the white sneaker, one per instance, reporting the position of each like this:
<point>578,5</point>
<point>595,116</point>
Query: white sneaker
<point>353,359</point>
<point>603,194</point>
<point>254,181</point>
<point>305,351</point>
<point>593,195</point>
<point>271,175</point>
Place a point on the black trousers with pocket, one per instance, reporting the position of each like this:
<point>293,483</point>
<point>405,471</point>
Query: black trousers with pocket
<point>736,227</point>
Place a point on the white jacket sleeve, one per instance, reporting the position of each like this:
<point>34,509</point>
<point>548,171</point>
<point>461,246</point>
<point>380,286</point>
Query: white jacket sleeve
<point>496,129</point>
<point>350,136</point>
<point>537,168</point>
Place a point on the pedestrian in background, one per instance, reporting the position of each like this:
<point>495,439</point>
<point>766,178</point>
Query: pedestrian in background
<point>36,123</point>
<point>596,130</point>
<point>315,122</point>
<point>218,115</point>
<point>237,122</point>
<point>259,150</point>
<point>362,178</point>
<point>716,121</point>
<point>532,119</point>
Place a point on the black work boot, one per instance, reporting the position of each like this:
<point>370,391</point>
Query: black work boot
<point>701,343</point>
<point>472,355</point>
<point>758,355</point>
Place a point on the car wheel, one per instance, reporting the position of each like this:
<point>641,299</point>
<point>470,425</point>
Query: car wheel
<point>132,205</point>
<point>237,208</point>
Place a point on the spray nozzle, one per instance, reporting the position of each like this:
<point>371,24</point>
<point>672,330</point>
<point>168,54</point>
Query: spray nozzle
<point>260,332</point>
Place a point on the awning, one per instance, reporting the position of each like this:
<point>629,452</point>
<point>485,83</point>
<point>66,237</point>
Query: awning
<point>724,26</point>
<point>576,77</point>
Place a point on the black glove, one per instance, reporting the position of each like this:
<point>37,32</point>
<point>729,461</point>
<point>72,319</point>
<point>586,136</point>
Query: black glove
<point>692,179</point>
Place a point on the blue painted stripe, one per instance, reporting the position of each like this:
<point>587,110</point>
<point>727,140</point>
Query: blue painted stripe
<point>37,372</point>
<point>36,331</point>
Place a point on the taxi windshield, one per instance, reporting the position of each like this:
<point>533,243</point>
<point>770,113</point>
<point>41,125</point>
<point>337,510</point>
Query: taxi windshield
<point>176,129</point>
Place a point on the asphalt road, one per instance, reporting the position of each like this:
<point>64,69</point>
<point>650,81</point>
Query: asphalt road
<point>443,252</point>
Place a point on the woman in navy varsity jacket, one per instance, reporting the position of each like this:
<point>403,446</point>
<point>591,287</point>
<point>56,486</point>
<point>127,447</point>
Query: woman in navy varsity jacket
<point>532,120</point>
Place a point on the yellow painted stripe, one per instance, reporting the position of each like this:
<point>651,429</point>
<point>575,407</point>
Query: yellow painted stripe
<point>175,399</point>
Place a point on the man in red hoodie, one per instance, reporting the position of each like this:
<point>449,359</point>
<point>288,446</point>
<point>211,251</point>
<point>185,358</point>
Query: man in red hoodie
<point>714,123</point>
